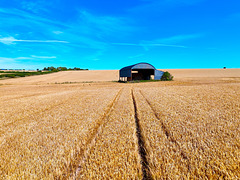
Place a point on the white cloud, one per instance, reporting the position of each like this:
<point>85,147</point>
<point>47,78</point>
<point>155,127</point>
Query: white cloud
<point>163,42</point>
<point>146,46</point>
<point>103,25</point>
<point>7,60</point>
<point>7,40</point>
<point>22,58</point>
<point>15,59</point>
<point>126,44</point>
<point>57,32</point>
<point>12,40</point>
<point>177,38</point>
<point>43,57</point>
<point>36,6</point>
<point>96,59</point>
<point>89,31</point>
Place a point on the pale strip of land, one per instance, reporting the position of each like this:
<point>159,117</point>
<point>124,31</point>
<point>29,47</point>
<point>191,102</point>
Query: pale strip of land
<point>66,76</point>
<point>204,73</point>
<point>113,75</point>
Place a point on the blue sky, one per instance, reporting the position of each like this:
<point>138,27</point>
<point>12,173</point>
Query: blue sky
<point>110,34</point>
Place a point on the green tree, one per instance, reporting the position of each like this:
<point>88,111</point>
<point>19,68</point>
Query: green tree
<point>166,76</point>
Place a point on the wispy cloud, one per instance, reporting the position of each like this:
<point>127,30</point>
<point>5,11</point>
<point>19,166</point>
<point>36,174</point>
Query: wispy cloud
<point>21,58</point>
<point>172,41</point>
<point>84,37</point>
<point>12,40</point>
<point>57,32</point>
<point>177,38</point>
<point>7,60</point>
<point>43,57</point>
<point>26,62</point>
<point>146,46</point>
<point>87,31</point>
<point>32,57</point>
<point>101,27</point>
<point>11,17</point>
<point>35,6</point>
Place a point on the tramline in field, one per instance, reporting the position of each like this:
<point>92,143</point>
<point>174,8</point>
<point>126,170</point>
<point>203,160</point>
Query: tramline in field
<point>156,130</point>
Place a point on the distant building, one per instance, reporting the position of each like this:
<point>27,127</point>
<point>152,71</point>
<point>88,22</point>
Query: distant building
<point>140,71</point>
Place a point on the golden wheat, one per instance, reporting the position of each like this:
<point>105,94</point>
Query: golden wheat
<point>115,152</point>
<point>190,129</point>
<point>199,124</point>
<point>42,139</point>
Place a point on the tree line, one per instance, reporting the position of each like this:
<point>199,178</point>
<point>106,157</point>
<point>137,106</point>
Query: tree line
<point>56,69</point>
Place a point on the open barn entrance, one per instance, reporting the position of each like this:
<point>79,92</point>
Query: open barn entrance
<point>142,74</point>
<point>140,71</point>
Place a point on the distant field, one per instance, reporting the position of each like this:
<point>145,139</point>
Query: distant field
<point>17,74</point>
<point>113,75</point>
<point>66,76</point>
<point>188,128</point>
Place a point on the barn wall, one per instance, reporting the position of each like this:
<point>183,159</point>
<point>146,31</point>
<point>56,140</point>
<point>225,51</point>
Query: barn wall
<point>158,75</point>
<point>125,73</point>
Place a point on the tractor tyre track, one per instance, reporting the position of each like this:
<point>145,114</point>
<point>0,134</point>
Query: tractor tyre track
<point>141,144</point>
<point>83,153</point>
<point>168,133</point>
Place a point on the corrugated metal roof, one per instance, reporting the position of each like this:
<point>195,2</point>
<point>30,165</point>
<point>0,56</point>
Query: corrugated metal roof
<point>138,66</point>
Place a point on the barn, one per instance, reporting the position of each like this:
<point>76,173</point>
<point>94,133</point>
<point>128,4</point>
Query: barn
<point>140,71</point>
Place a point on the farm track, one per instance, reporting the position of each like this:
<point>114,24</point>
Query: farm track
<point>141,144</point>
<point>82,156</point>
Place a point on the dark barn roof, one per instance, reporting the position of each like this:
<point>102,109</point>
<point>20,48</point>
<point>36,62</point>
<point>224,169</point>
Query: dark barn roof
<point>127,71</point>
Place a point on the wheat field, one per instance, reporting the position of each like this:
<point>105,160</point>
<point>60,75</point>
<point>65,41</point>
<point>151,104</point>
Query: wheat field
<point>188,128</point>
